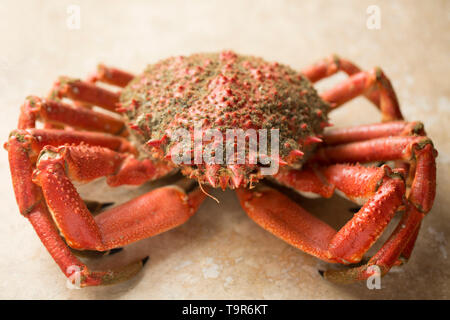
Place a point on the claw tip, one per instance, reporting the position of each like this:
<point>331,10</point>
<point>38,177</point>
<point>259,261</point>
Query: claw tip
<point>114,251</point>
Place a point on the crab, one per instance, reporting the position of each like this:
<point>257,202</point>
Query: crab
<point>127,136</point>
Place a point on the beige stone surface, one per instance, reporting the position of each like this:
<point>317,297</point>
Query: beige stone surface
<point>220,253</point>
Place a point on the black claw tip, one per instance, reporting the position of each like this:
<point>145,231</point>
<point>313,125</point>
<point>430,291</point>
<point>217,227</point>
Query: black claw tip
<point>144,261</point>
<point>321,272</point>
<point>115,250</point>
<point>106,204</point>
<point>354,209</point>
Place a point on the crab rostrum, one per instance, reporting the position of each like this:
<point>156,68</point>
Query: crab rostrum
<point>130,137</point>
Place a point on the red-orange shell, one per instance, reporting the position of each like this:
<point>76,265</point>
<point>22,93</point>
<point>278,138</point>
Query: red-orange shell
<point>223,91</point>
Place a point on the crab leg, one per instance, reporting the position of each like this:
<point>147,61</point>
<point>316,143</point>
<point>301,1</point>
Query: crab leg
<point>309,181</point>
<point>357,183</point>
<point>285,219</point>
<point>24,145</point>
<point>378,90</point>
<point>153,213</point>
<point>420,149</point>
<point>348,244</point>
<point>44,226</point>
<point>85,163</point>
<point>112,76</point>
<point>85,92</point>
<point>388,255</point>
<point>331,65</point>
<point>386,190</point>
<point>132,221</point>
<point>405,148</point>
<point>109,75</point>
<point>31,204</point>
<point>57,112</point>
<point>407,251</point>
<point>381,190</point>
<point>420,200</point>
<point>380,149</point>
<point>372,131</point>
<point>363,82</point>
<point>30,200</point>
<point>39,138</point>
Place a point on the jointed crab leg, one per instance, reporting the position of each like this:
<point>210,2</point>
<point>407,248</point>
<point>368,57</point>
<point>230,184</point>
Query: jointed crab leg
<point>31,204</point>
<point>42,222</point>
<point>86,92</point>
<point>373,84</point>
<point>284,218</point>
<point>358,234</point>
<point>309,181</point>
<point>380,149</point>
<point>36,139</point>
<point>408,148</point>
<point>112,76</point>
<point>329,66</point>
<point>333,64</point>
<point>419,202</point>
<point>363,82</point>
<point>407,250</point>
<point>85,163</point>
<point>372,131</point>
<point>61,113</point>
<point>57,114</point>
<point>153,213</point>
<point>402,238</point>
<point>109,75</point>
<point>416,149</point>
<point>23,147</point>
<point>129,222</point>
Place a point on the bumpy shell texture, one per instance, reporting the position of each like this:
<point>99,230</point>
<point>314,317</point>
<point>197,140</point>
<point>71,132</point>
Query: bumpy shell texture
<point>223,91</point>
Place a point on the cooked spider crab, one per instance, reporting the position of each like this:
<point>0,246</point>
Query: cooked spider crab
<point>132,142</point>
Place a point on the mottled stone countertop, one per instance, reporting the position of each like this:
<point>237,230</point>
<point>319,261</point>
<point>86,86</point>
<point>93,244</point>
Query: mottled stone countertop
<point>220,253</point>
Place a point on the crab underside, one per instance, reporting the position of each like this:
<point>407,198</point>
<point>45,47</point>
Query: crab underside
<point>129,137</point>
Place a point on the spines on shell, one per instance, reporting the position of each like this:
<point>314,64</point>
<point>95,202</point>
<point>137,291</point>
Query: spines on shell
<point>224,91</point>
